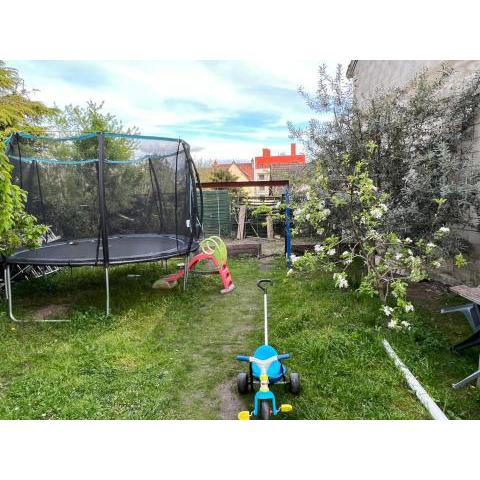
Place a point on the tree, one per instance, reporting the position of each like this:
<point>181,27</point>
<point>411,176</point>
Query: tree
<point>17,112</point>
<point>125,185</point>
<point>239,195</point>
<point>222,175</point>
<point>423,139</point>
<point>389,262</point>
<point>393,174</point>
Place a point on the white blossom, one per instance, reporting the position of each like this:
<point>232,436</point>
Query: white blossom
<point>387,310</point>
<point>410,253</point>
<point>431,245</point>
<point>319,248</point>
<point>406,324</point>
<point>398,256</point>
<point>376,212</point>
<point>444,230</point>
<point>383,207</point>
<point>436,264</point>
<point>294,258</point>
<point>307,216</point>
<point>392,324</point>
<point>409,307</point>
<point>331,251</point>
<point>408,240</point>
<point>340,280</point>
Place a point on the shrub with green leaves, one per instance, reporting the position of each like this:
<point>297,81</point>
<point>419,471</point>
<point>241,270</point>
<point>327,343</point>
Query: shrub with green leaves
<point>17,112</point>
<point>423,132</point>
<point>389,261</point>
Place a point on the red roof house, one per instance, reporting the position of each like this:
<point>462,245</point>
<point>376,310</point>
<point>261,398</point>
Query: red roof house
<point>267,160</point>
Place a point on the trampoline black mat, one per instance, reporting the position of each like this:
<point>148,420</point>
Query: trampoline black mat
<point>122,249</point>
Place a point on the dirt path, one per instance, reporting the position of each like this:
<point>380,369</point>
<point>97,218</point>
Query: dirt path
<point>221,339</point>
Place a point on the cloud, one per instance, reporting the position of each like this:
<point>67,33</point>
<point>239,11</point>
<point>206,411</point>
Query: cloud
<point>225,109</point>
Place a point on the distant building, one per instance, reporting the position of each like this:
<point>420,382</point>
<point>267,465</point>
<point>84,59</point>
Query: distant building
<point>264,167</point>
<point>242,171</point>
<point>264,164</point>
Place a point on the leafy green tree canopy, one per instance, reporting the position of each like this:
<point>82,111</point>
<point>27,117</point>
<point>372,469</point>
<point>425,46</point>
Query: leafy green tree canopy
<point>222,175</point>
<point>17,112</point>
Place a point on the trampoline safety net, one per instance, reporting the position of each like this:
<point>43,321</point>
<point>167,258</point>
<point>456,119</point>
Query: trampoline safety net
<point>109,198</point>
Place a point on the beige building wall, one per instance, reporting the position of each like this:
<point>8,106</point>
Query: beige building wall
<point>235,170</point>
<point>370,75</point>
<point>262,174</point>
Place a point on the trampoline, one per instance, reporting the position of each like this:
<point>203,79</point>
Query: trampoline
<point>109,198</point>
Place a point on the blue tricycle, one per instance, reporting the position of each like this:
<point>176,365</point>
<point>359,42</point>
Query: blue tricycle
<point>266,367</point>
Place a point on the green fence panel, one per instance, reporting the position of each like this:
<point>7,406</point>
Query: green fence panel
<point>217,218</point>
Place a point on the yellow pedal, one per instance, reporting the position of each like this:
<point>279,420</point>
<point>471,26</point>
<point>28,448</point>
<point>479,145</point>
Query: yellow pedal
<point>285,408</point>
<point>245,415</point>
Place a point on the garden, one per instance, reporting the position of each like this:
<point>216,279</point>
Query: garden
<point>390,188</point>
<point>171,355</point>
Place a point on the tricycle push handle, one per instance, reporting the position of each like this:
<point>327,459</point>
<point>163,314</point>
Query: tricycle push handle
<point>283,356</point>
<point>264,281</point>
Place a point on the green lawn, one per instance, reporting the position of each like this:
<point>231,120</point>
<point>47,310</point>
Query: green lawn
<point>171,354</point>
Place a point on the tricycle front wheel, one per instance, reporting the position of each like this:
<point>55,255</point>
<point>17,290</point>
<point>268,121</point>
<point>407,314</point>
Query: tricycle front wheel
<point>265,409</point>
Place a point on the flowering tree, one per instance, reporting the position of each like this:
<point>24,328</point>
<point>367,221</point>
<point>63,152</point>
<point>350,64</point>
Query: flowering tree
<point>388,261</point>
<point>423,137</point>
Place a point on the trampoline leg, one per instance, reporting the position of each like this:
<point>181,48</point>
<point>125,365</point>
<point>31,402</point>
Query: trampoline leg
<point>5,282</point>
<point>185,269</point>
<point>107,290</point>
<point>8,292</point>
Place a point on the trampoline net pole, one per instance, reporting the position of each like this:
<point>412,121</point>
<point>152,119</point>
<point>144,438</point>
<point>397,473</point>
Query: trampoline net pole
<point>101,196</point>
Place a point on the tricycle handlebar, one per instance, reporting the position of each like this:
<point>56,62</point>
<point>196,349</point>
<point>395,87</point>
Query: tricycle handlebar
<point>243,358</point>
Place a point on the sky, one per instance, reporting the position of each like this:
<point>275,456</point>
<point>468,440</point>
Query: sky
<point>226,110</point>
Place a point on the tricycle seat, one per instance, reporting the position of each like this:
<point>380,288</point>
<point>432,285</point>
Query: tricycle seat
<point>276,371</point>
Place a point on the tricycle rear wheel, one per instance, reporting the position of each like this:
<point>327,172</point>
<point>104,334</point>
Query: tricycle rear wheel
<point>294,383</point>
<point>265,409</point>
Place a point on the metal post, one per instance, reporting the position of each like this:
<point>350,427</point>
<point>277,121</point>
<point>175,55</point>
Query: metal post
<point>107,290</point>
<point>103,214</point>
<point>265,313</point>
<point>8,289</point>
<point>185,271</point>
<point>288,241</point>
<point>5,281</point>
<point>467,380</point>
<point>101,196</point>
